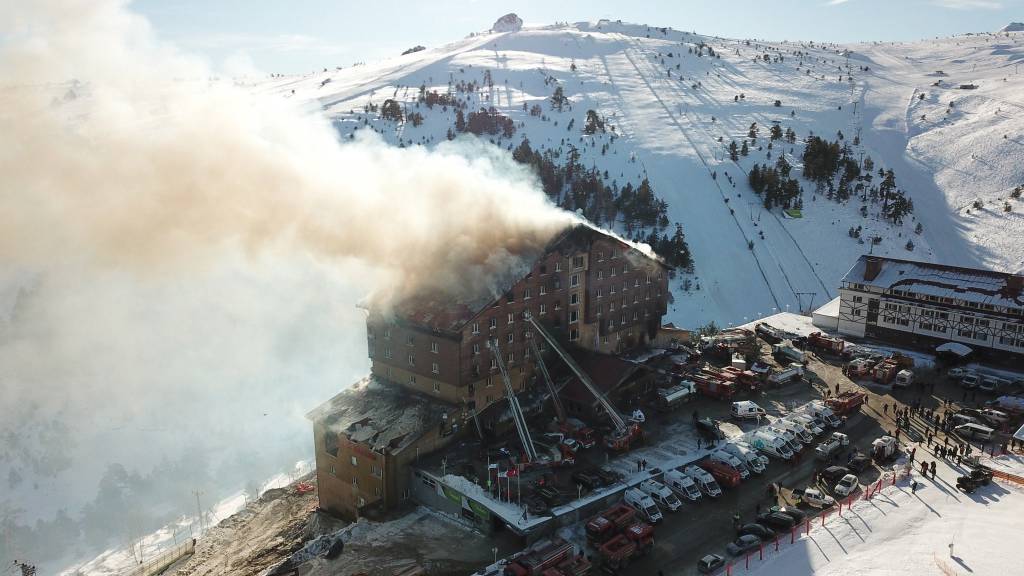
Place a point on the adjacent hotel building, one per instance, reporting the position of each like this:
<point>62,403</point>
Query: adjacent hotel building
<point>920,303</point>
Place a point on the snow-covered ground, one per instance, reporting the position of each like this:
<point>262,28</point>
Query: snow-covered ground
<point>667,129</point>
<point>935,530</point>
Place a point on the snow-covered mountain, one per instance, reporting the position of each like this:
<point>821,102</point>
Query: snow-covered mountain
<point>945,115</point>
<point>1013,27</point>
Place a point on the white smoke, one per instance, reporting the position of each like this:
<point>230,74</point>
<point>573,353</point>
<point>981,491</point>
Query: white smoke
<point>188,254</point>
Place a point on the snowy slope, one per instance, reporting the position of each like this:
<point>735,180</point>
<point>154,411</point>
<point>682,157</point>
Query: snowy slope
<point>668,127</point>
<point>935,530</point>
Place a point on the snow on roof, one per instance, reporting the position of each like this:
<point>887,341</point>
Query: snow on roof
<point>830,308</point>
<point>921,278</point>
<point>380,414</point>
<point>954,348</point>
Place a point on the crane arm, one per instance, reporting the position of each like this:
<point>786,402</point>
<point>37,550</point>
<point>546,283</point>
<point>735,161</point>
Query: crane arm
<point>513,403</point>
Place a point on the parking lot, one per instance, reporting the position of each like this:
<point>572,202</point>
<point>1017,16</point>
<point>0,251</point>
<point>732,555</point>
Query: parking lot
<point>706,527</point>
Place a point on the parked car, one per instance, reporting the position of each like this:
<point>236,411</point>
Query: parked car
<point>859,462</point>
<point>588,479</point>
<point>709,429</point>
<point>776,520</point>
<point>834,473</point>
<point>742,544</point>
<point>710,563</point>
<point>957,372</point>
<point>970,381</point>
<point>814,497</point>
<point>794,513</point>
<point>759,530</point>
<point>846,486</point>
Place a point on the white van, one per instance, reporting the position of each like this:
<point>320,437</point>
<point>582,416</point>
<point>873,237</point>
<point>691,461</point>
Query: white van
<point>771,444</point>
<point>643,504</point>
<point>661,495</point>
<point>803,434</point>
<point>808,423</point>
<point>726,458</point>
<point>790,438</point>
<point>755,463</point>
<point>903,379</point>
<point>825,414</point>
<point>704,480</point>
<point>974,431</point>
<point>747,409</point>
<point>682,485</point>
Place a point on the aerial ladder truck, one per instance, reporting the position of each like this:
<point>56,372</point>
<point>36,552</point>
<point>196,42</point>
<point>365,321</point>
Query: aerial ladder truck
<point>625,434</point>
<point>513,404</point>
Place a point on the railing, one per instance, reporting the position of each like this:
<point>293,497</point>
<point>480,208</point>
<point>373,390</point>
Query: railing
<point>164,560</point>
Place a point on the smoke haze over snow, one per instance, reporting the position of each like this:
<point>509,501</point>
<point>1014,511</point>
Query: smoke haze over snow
<point>182,257</point>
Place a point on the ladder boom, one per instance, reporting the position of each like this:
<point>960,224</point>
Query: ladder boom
<point>513,404</point>
<point>620,423</point>
<point>559,409</point>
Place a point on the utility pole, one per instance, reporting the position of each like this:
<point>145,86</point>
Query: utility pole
<point>199,510</point>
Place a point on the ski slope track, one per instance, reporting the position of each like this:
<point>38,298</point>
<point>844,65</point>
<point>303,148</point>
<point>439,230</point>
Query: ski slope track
<point>947,115</point>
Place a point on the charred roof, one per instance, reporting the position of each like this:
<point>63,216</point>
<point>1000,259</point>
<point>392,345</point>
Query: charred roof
<point>381,415</point>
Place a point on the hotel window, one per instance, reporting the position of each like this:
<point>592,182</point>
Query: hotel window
<point>574,335</point>
<point>600,256</point>
<point>636,281</point>
<point>476,327</point>
<point>494,364</point>
<point>333,472</point>
<point>410,340</point>
<point>574,298</point>
<point>354,461</point>
<point>435,368</point>
<point>600,274</point>
<point>543,309</point>
<point>437,388</point>
<point>511,337</point>
<point>543,289</point>
<point>648,278</point>
<point>411,358</point>
<point>476,349</point>
<point>526,294</point>
<point>412,379</point>
<point>558,266</point>
<point>355,484</point>
<point>574,316</point>
<point>613,270</point>
<point>574,280</point>
<point>433,346</point>
<point>387,351</point>
<point>577,262</point>
<point>511,317</point>
<point>511,357</point>
<point>600,292</point>
<point>387,333</point>
<point>492,323</point>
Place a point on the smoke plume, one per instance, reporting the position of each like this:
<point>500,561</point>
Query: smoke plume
<point>184,255</point>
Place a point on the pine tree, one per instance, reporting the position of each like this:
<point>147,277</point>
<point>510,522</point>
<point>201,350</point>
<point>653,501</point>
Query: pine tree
<point>733,151</point>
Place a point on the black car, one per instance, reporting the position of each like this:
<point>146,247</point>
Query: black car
<point>776,520</point>
<point>742,544</point>
<point>708,428</point>
<point>608,477</point>
<point>859,462</point>
<point>589,479</point>
<point>832,474</point>
<point>797,515</point>
<point>759,530</point>
<point>551,495</point>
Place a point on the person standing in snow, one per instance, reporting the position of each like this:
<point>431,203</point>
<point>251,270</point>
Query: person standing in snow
<point>933,469</point>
